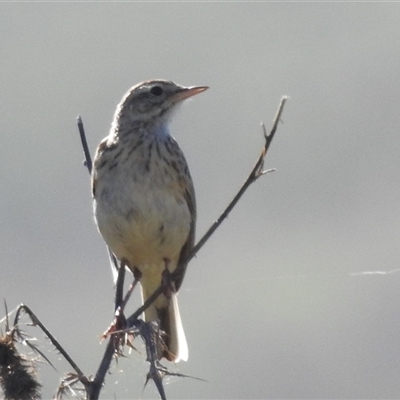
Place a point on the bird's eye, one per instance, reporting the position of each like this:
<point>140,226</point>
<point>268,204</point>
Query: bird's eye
<point>156,91</point>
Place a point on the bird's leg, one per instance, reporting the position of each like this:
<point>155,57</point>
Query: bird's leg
<point>119,321</point>
<point>136,278</point>
<point>166,280</point>
<point>119,286</point>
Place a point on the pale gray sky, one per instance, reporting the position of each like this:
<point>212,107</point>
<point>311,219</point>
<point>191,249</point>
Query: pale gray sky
<point>277,304</point>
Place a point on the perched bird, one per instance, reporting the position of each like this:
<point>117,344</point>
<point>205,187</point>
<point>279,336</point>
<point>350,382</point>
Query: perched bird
<point>144,200</point>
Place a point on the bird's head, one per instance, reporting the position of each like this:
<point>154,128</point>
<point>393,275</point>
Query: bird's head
<point>154,100</point>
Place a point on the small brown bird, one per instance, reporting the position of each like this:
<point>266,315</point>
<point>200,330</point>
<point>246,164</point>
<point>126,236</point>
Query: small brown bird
<point>144,200</point>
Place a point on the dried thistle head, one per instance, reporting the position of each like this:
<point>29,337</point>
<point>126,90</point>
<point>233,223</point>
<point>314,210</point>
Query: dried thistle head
<point>17,373</point>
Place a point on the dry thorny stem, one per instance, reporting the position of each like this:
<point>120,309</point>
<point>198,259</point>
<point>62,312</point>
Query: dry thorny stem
<point>124,330</point>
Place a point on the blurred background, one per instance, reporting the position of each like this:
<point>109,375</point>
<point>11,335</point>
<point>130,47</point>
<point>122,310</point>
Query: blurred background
<point>297,295</point>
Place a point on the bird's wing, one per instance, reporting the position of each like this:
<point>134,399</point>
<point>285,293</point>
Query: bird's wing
<point>190,198</point>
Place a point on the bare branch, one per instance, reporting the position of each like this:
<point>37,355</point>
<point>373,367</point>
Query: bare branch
<point>256,172</point>
<point>96,384</point>
<point>35,320</point>
<point>88,159</point>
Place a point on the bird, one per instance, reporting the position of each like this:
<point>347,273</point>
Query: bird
<point>144,201</point>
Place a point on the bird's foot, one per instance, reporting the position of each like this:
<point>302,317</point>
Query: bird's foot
<point>118,324</point>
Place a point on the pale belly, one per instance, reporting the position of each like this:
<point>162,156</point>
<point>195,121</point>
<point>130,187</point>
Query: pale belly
<point>143,225</point>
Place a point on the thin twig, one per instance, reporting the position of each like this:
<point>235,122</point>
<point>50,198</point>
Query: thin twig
<point>256,172</point>
<point>88,158</point>
<point>149,332</point>
<point>144,306</point>
<point>35,320</point>
<point>96,384</point>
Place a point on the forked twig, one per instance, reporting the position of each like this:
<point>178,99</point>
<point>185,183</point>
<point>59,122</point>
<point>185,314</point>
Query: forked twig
<point>18,382</point>
<point>256,172</point>
<point>35,321</point>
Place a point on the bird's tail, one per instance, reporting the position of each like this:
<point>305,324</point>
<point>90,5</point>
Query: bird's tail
<point>166,312</point>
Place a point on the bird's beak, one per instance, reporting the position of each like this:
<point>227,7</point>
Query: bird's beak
<point>187,92</point>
